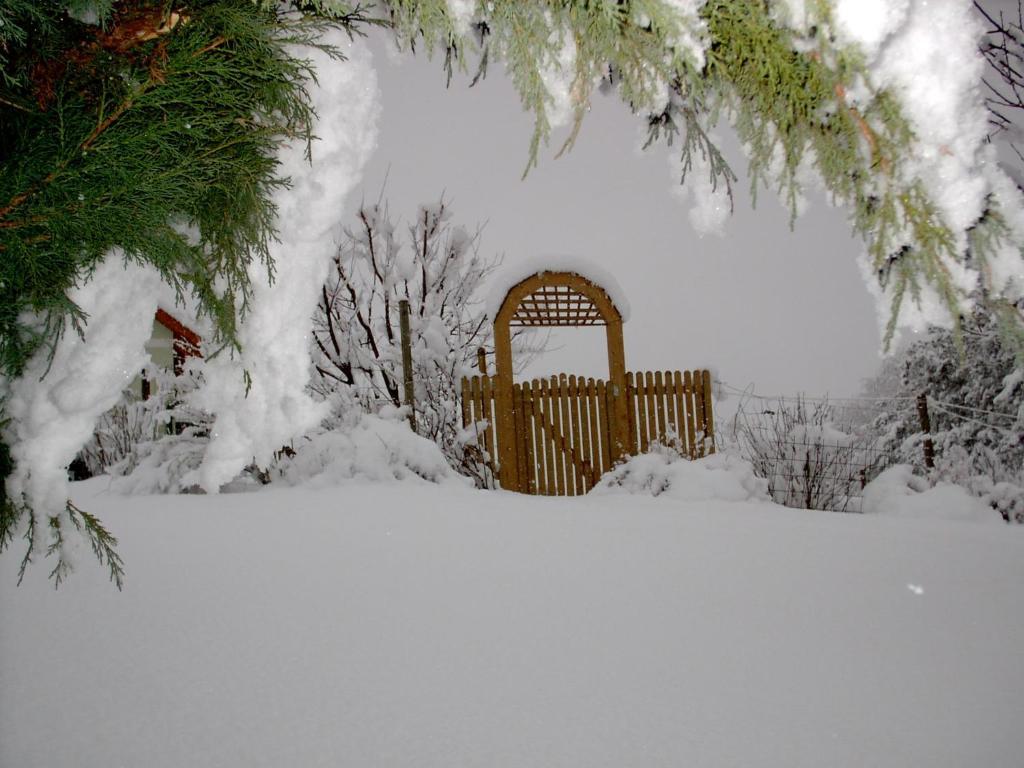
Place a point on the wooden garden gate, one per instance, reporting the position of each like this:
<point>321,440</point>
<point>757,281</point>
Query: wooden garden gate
<point>558,436</point>
<point>562,426</point>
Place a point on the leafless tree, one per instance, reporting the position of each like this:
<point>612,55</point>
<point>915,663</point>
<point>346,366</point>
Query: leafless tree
<point>1003,49</point>
<point>439,270</point>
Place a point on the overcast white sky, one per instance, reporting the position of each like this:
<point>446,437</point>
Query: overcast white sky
<point>786,311</point>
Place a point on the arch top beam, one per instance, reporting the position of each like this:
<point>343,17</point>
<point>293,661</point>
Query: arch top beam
<point>557,299</point>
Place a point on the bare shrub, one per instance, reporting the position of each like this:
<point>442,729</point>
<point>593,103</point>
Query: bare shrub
<point>811,458</point>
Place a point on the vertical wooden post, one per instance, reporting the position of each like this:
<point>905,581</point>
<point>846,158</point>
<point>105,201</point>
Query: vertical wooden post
<point>619,421</point>
<point>467,413</point>
<point>403,319</point>
<point>503,402</point>
<point>481,360</point>
<point>926,427</point>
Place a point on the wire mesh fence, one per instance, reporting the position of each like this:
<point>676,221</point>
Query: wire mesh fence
<point>820,453</point>
<point>813,453</point>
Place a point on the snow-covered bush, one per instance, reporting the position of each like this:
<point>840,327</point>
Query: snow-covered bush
<point>118,431</point>
<point>134,421</point>
<point>166,459</point>
<point>663,471</point>
<point>898,492</point>
<point>378,447</point>
<point>439,271</point>
<point>809,454</point>
<point>975,396</point>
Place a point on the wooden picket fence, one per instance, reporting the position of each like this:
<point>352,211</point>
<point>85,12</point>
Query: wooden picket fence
<point>563,424</point>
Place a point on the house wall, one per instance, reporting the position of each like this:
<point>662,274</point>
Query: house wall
<point>161,350</point>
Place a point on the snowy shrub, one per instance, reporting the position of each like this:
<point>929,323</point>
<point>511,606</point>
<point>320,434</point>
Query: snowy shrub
<point>369,447</point>
<point>663,471</point>
<point>975,399</point>
<point>898,492</point>
<point>118,431</point>
<point>356,325</point>
<point>133,421</point>
<point>810,456</point>
<point>166,460</point>
<point>166,465</point>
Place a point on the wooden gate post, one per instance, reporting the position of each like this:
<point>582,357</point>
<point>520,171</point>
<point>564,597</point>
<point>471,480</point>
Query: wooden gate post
<point>503,405</point>
<point>617,392</point>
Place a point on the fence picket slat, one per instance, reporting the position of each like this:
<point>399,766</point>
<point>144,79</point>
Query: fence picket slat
<point>552,424</point>
<point>585,442</point>
<point>652,419</point>
<point>540,438</point>
<point>562,423</point>
<point>602,404</point>
<point>698,407</point>
<point>691,428</point>
<point>631,412</point>
<point>530,427</point>
<point>709,419</point>
<point>487,395</point>
<point>643,441</point>
<point>595,429</point>
<point>576,454</point>
<point>670,408</point>
<point>520,441</point>
<point>659,393</point>
<point>677,394</point>
<point>549,456</point>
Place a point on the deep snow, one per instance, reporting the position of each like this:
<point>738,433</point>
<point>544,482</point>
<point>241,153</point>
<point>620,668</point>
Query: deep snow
<point>408,624</point>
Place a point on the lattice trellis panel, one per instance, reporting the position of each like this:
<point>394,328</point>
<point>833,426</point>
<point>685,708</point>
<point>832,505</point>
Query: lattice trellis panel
<point>556,305</point>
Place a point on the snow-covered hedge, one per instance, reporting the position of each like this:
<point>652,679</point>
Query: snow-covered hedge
<point>663,472</point>
<point>358,447</point>
<point>898,492</point>
<point>370,447</point>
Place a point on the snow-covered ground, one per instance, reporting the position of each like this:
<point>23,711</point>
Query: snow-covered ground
<point>410,624</point>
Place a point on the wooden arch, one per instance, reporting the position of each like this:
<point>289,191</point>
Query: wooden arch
<point>554,299</point>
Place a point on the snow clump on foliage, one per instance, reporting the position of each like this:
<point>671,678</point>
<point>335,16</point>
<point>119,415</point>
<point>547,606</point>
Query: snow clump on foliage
<point>54,405</point>
<point>710,204</point>
<point>926,54</point>
<point>260,398</point>
<point>559,77</point>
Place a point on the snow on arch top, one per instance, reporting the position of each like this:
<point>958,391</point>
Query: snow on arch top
<point>510,276</point>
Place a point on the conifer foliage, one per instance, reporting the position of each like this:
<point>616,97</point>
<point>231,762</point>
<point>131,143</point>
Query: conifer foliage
<point>145,126</point>
<point>153,131</point>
